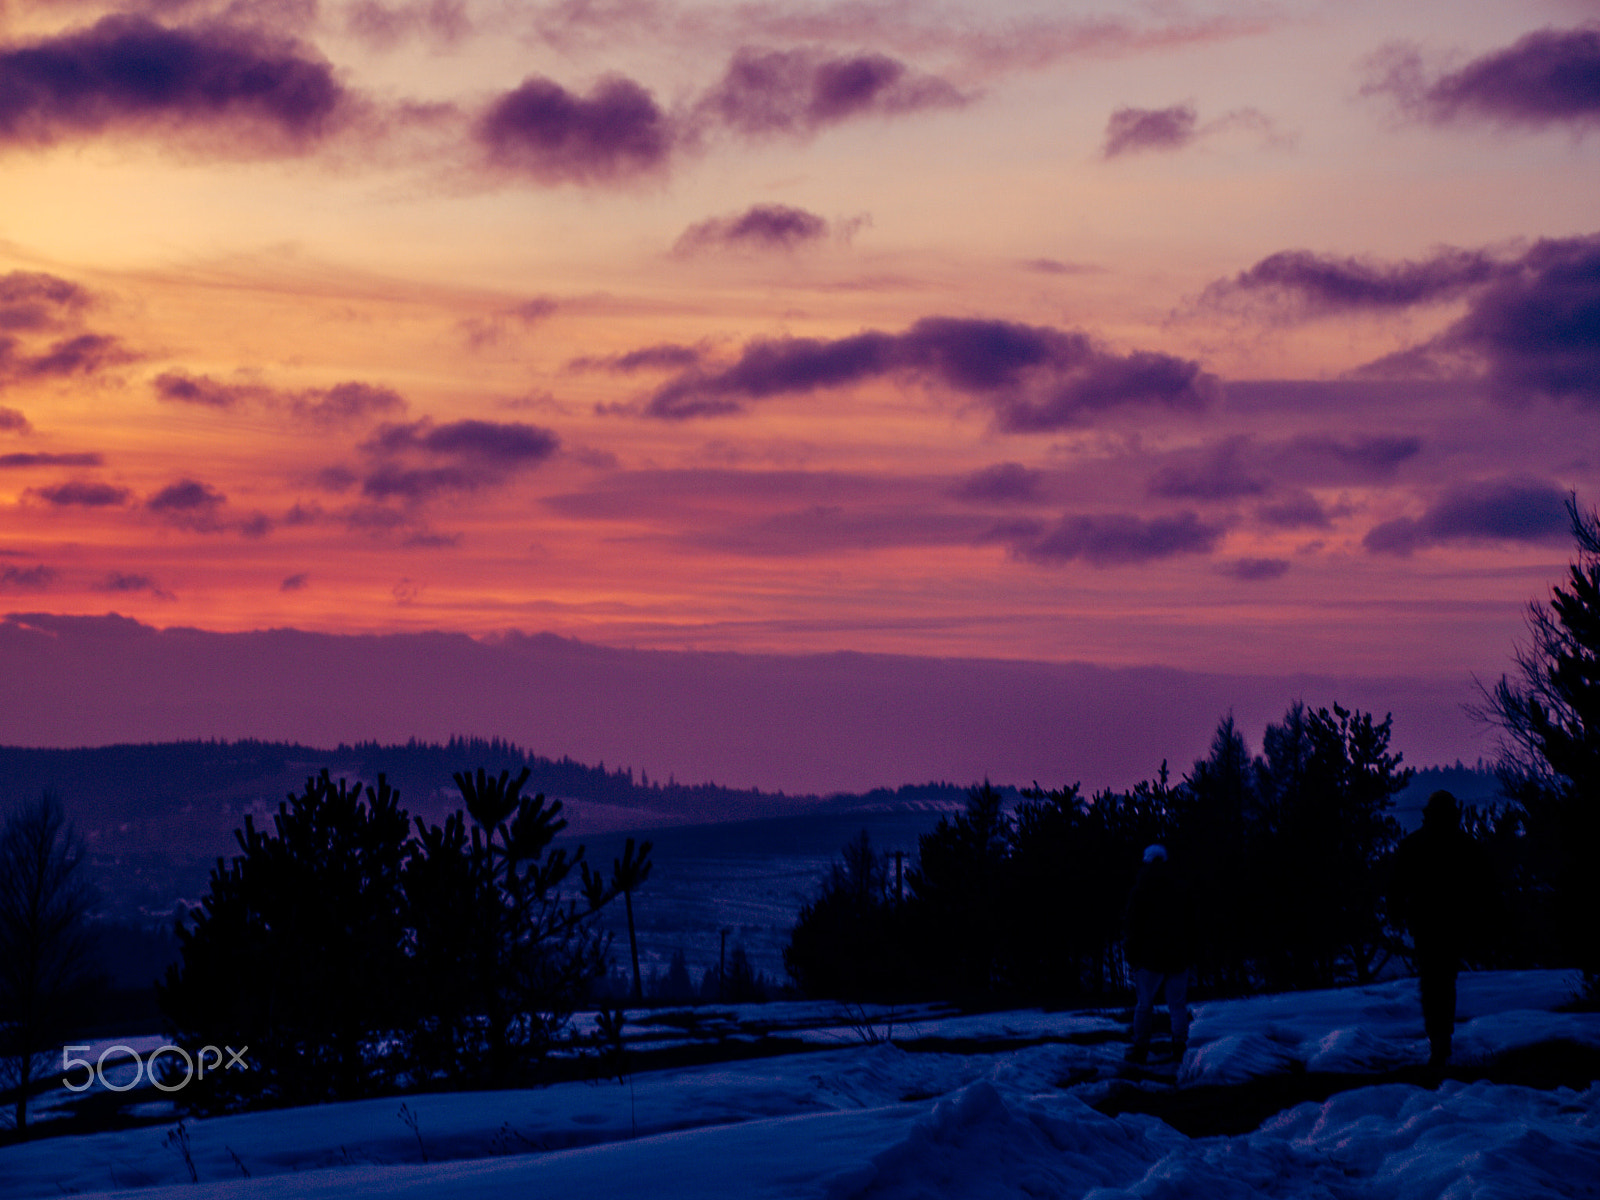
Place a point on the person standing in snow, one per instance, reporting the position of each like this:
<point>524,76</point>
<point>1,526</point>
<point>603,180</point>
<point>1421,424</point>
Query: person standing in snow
<point>1439,891</point>
<point>1159,949</point>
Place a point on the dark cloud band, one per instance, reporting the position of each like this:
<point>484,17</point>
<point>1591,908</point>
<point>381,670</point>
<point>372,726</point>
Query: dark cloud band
<point>1032,378</point>
<point>1505,510</point>
<point>129,72</point>
<point>1548,77</point>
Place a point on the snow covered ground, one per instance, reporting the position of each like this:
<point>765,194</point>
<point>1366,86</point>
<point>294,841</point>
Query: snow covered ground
<point>1012,1114</point>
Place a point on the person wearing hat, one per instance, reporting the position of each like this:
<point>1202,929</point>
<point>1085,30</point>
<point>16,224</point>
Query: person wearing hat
<point>1439,891</point>
<point>1158,948</point>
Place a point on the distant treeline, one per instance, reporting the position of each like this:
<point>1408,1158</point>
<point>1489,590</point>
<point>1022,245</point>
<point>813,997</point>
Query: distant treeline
<point>1283,858</point>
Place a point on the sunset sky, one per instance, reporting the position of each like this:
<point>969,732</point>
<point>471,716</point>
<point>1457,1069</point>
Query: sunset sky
<point>1259,338</point>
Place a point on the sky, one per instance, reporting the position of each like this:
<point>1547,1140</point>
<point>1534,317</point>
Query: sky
<point>1256,338</point>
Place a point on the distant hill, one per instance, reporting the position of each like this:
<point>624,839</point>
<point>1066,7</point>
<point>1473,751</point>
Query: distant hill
<point>182,795</point>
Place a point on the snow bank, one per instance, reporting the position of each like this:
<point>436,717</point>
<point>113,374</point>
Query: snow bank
<point>1380,1143</point>
<point>885,1122</point>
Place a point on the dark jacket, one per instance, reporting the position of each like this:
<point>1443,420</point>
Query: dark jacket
<point>1441,890</point>
<point>1159,927</point>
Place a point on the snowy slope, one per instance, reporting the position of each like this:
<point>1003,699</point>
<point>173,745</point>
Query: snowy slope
<point>902,1120</point>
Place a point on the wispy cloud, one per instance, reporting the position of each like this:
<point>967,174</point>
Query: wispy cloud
<point>760,227</point>
<point>1133,129</point>
<point>1119,539</point>
<point>125,583</point>
<point>1300,283</point>
<point>767,92</point>
<point>1032,378</point>
<point>1002,483</point>
<point>1549,77</point>
<point>30,300</point>
<point>1255,570</point>
<point>79,493</point>
<point>341,404</point>
<point>27,579</point>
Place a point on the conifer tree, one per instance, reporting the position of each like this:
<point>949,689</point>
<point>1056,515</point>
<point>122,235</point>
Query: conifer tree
<point>1549,715</point>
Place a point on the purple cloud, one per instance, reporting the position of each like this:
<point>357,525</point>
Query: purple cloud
<point>1370,455</point>
<point>1215,474</point>
<point>342,403</point>
<point>12,421</point>
<point>486,331</point>
<point>1254,570</point>
<point>203,391</point>
<point>385,26</point>
<point>50,460</point>
<point>1002,483</point>
<point>26,579</point>
<point>1548,77</point>
<point>761,227</point>
<point>419,483</point>
<point>129,72</point>
<point>1505,510</point>
<point>484,452</point>
<point>616,133</point>
<point>666,356</point>
<point>1300,510</point>
<point>1033,378</point>
<point>1133,129</point>
<point>85,354</point>
<point>187,497</point>
<point>1120,539</point>
<point>1538,328</point>
<point>80,493</point>
<point>766,92</point>
<point>295,583</point>
<point>830,528</point>
<point>1305,283</point>
<point>1054,266</point>
<point>30,300</point>
<point>119,582</point>
<point>489,442</point>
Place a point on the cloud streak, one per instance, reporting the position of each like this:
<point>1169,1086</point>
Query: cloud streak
<point>1549,77</point>
<point>342,404</point>
<point>760,227</point>
<point>1032,378</point>
<point>799,92</point>
<point>1496,510</point>
<point>475,454</point>
<point>79,493</point>
<point>619,134</point>
<point>1304,283</point>
<point>1119,539</point>
<point>13,461</point>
